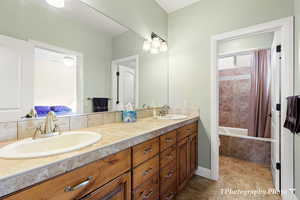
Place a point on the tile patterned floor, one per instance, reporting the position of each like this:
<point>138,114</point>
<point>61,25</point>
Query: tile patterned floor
<point>236,175</point>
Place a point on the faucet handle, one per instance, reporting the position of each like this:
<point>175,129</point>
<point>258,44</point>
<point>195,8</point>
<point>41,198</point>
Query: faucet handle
<point>56,129</point>
<point>38,131</point>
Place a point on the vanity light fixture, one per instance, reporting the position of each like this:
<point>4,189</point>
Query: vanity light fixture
<point>163,47</point>
<point>147,45</point>
<point>69,61</point>
<point>155,45</point>
<point>156,42</point>
<point>56,3</point>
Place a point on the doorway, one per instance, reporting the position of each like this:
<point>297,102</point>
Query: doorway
<point>125,82</point>
<point>60,71</point>
<point>283,140</point>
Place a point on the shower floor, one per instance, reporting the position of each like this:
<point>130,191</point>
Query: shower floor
<point>236,175</point>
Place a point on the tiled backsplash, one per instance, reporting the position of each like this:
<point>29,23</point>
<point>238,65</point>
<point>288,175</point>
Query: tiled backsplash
<point>8,131</point>
<point>26,128</point>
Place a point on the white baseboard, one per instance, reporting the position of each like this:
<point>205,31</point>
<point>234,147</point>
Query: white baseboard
<point>204,172</point>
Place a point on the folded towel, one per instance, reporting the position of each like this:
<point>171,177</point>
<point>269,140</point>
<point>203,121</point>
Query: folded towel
<point>100,104</point>
<point>292,121</point>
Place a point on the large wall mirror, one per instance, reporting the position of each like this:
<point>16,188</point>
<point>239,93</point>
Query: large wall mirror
<point>72,58</point>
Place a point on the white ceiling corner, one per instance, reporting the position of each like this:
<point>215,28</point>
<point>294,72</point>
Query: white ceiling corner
<point>173,5</point>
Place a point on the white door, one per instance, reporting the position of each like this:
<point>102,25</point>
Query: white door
<point>126,85</point>
<point>276,115</point>
<point>123,86</point>
<point>16,78</point>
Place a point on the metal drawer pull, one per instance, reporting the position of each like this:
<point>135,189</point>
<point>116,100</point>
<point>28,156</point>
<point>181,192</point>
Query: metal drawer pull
<point>80,185</point>
<point>148,150</point>
<point>170,196</point>
<point>147,172</point>
<point>170,174</point>
<point>146,196</point>
<point>169,140</point>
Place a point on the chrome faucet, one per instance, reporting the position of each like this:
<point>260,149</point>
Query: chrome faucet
<point>49,127</point>
<point>164,110</point>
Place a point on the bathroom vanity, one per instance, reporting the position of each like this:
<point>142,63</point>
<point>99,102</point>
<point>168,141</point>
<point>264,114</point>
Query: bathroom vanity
<point>155,161</point>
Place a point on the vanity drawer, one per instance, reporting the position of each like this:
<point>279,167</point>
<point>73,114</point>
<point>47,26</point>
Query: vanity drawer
<point>186,131</point>
<point>143,172</point>
<point>168,176</point>
<point>79,182</point>
<point>148,191</point>
<point>167,140</point>
<point>168,156</point>
<point>145,151</point>
<point>170,193</point>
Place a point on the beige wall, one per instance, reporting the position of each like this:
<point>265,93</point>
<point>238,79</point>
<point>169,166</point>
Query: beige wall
<point>297,87</point>
<point>153,69</point>
<point>141,16</point>
<point>190,30</point>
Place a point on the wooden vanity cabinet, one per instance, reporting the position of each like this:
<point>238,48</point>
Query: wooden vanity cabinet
<point>79,182</point>
<point>156,169</point>
<point>193,144</point>
<point>187,154</point>
<point>183,163</point>
<point>118,189</point>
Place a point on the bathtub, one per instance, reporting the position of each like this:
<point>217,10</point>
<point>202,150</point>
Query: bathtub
<point>239,132</point>
<point>235,142</point>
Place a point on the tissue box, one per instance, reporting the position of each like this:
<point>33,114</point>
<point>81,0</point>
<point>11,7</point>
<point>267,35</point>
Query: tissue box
<point>129,116</point>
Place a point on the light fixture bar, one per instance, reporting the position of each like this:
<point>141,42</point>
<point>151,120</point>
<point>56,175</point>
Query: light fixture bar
<point>154,35</point>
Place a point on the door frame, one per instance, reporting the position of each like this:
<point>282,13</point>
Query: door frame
<point>114,65</point>
<point>79,68</point>
<point>286,26</point>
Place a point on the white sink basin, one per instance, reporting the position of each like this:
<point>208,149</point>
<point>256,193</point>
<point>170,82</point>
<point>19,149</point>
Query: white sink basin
<point>41,147</point>
<point>172,117</point>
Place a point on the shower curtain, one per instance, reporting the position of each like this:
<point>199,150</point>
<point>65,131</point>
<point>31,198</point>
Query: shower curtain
<point>260,98</point>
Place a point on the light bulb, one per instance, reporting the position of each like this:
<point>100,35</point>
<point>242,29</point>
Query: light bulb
<point>164,47</point>
<point>156,42</point>
<point>147,45</point>
<point>56,3</point>
<point>69,61</point>
<point>154,50</point>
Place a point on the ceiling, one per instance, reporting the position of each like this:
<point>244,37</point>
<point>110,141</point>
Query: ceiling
<point>173,5</point>
<point>81,12</point>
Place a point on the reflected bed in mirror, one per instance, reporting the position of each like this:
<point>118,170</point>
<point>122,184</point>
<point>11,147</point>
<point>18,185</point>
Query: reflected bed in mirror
<point>73,60</point>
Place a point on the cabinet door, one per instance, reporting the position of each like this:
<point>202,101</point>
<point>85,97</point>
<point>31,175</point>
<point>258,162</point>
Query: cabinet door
<point>118,189</point>
<point>16,78</point>
<point>193,147</point>
<point>183,163</point>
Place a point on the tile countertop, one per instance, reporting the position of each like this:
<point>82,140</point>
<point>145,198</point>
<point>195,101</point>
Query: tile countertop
<point>19,174</point>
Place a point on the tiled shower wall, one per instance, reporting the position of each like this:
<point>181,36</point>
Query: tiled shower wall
<point>235,85</point>
<point>25,128</point>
